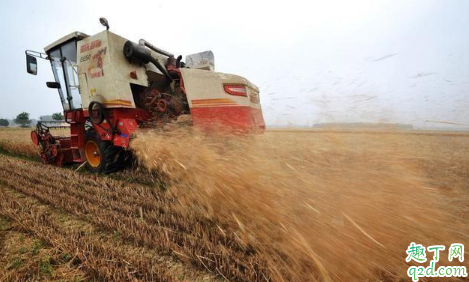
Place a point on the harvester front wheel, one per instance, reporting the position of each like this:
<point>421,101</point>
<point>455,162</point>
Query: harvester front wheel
<point>102,156</point>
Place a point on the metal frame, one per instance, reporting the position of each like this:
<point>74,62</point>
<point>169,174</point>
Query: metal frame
<point>36,54</point>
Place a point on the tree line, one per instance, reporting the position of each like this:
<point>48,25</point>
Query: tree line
<point>24,121</point>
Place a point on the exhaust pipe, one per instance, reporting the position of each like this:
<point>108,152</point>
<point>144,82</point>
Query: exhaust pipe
<point>154,48</point>
<point>141,55</point>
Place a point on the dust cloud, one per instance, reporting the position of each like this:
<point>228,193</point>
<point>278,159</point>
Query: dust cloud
<point>319,205</point>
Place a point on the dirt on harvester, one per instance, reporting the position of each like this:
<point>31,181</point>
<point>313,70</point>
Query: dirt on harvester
<point>318,206</point>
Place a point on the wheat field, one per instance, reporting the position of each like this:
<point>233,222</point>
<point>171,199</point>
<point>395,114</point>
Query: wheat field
<point>288,205</point>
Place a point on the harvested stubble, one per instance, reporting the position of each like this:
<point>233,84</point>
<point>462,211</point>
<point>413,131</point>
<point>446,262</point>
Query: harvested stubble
<point>115,206</point>
<point>319,206</point>
<point>97,255</point>
<point>26,258</point>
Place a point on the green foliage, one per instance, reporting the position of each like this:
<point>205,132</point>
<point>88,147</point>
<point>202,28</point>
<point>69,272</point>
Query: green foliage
<point>15,263</point>
<point>45,266</point>
<point>57,116</point>
<point>37,245</point>
<point>66,257</point>
<point>4,122</point>
<point>23,119</point>
<point>23,250</point>
<point>4,224</point>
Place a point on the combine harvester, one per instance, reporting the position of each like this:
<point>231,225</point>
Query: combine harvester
<point>110,87</point>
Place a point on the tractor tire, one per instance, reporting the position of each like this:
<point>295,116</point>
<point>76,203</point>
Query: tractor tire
<point>102,156</point>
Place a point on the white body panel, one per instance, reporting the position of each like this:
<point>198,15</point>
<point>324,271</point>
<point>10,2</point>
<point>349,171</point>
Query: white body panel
<point>104,72</point>
<point>206,87</point>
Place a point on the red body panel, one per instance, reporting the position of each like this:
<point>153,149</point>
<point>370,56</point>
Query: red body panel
<point>121,123</point>
<point>70,149</point>
<point>233,118</point>
<point>65,155</point>
<point>126,127</point>
<point>124,121</point>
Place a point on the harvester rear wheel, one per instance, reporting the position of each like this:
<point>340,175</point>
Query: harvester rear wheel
<point>102,156</point>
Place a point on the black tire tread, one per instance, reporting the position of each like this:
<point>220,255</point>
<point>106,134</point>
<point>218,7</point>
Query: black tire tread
<point>113,158</point>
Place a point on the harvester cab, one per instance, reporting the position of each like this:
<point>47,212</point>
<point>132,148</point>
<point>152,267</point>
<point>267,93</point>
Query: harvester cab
<point>110,87</point>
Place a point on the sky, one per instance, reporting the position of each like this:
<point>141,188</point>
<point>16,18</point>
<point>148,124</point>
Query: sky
<point>330,61</point>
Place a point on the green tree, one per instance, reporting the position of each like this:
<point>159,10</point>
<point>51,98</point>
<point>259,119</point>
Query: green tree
<point>57,116</point>
<point>23,119</point>
<point>4,122</point>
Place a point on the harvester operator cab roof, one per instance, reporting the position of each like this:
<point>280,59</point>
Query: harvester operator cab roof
<point>62,55</point>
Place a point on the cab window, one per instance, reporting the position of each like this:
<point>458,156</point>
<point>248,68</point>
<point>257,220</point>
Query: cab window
<point>64,67</point>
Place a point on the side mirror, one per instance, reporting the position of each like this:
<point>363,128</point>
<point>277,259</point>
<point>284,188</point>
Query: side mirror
<point>54,85</point>
<point>31,64</point>
<point>104,22</point>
